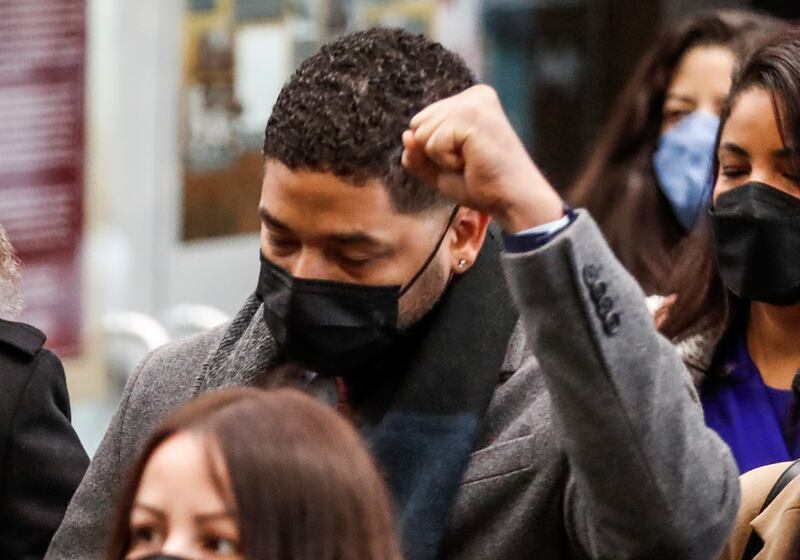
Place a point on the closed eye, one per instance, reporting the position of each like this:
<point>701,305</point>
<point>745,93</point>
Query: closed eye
<point>733,172</point>
<point>355,262</point>
<point>144,538</point>
<point>675,114</point>
<point>221,546</point>
<point>282,242</point>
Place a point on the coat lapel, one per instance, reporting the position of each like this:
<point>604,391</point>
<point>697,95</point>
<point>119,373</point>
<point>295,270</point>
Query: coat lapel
<point>244,355</point>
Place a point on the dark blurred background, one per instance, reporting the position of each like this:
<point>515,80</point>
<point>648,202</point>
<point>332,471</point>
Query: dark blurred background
<point>572,58</point>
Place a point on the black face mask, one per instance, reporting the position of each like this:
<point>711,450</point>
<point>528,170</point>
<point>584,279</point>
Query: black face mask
<point>332,328</point>
<point>757,243</point>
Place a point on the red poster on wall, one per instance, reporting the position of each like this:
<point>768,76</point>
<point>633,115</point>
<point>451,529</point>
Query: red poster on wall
<point>42,59</point>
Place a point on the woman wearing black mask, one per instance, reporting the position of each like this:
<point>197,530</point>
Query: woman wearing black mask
<point>244,474</point>
<point>737,317</point>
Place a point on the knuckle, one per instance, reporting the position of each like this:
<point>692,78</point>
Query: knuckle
<point>487,92</point>
<point>431,146</point>
<point>483,97</point>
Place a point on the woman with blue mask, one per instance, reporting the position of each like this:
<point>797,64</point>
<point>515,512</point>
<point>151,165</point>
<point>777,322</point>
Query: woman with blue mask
<point>648,177</point>
<point>736,318</point>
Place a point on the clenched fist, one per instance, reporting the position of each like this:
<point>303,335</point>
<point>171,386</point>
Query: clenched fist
<point>465,147</point>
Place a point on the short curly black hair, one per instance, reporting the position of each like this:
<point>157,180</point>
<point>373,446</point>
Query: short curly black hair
<point>346,107</point>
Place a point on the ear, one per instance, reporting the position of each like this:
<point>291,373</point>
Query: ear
<point>467,237</point>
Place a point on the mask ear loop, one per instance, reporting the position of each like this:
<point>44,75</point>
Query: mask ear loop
<point>433,254</point>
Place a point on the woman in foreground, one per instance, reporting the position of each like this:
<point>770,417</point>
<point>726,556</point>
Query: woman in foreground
<point>247,474</point>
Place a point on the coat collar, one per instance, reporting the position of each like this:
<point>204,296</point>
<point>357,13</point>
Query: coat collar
<point>24,338</point>
<point>697,351</point>
<point>243,356</point>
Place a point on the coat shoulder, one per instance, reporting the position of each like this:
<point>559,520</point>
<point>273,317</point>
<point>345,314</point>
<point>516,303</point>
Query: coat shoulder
<point>23,339</point>
<point>163,381</point>
<point>23,357</point>
<point>179,361</point>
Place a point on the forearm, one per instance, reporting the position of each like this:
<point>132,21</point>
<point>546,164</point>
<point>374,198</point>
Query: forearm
<point>646,472</point>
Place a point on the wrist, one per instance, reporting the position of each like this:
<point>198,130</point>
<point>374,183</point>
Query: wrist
<point>529,213</point>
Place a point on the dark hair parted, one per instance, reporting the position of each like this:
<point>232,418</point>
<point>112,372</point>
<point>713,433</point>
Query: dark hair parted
<point>702,298</point>
<point>346,107</point>
<point>619,185</point>
<point>302,484</point>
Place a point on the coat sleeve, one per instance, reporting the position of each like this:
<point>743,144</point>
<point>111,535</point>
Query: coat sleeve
<point>45,462</point>
<point>647,478</point>
<point>84,532</point>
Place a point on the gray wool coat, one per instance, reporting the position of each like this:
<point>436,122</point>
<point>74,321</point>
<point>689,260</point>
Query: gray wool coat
<point>594,445</point>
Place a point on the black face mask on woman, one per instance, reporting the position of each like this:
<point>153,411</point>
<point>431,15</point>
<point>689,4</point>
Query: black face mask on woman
<point>757,243</point>
<point>332,328</point>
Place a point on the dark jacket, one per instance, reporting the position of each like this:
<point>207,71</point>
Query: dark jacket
<point>41,459</point>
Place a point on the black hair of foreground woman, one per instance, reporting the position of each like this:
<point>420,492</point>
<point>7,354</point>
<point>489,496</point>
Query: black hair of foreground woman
<point>285,478</point>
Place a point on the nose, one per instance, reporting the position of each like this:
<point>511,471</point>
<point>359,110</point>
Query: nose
<point>311,264</point>
<point>709,107</point>
<point>764,174</point>
<point>180,544</point>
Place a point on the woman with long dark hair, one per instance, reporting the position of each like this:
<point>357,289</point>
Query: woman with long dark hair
<point>647,177</point>
<point>736,318</point>
<point>247,474</point>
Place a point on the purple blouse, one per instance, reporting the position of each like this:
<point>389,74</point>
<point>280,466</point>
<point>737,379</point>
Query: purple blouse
<point>757,422</point>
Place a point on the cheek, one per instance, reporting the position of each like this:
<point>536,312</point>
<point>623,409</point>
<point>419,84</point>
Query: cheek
<point>264,241</point>
<point>425,293</point>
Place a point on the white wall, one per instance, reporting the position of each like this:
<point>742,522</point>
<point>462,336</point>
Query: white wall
<point>134,103</point>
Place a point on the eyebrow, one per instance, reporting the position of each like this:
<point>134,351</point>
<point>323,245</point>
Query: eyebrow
<point>734,148</point>
<point>679,97</point>
<point>271,220</point>
<point>206,517</point>
<point>150,509</point>
<point>738,150</point>
<point>344,238</point>
<point>201,517</point>
<point>354,238</point>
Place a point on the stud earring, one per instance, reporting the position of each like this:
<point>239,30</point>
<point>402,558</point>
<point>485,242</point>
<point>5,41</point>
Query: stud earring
<point>462,263</point>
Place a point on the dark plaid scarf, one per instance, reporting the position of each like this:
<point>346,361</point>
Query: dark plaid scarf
<point>421,409</point>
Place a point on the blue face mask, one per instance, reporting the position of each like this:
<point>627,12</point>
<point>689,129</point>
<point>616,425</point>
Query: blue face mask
<point>683,163</point>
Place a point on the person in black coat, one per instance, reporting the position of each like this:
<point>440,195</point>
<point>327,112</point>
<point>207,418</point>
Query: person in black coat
<point>42,460</point>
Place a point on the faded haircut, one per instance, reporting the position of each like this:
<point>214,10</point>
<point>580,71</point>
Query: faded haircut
<point>346,107</point>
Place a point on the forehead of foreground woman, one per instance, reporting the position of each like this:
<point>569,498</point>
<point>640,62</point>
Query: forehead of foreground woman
<point>760,134</point>
<point>259,475</point>
<point>180,509</point>
<point>752,146</point>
